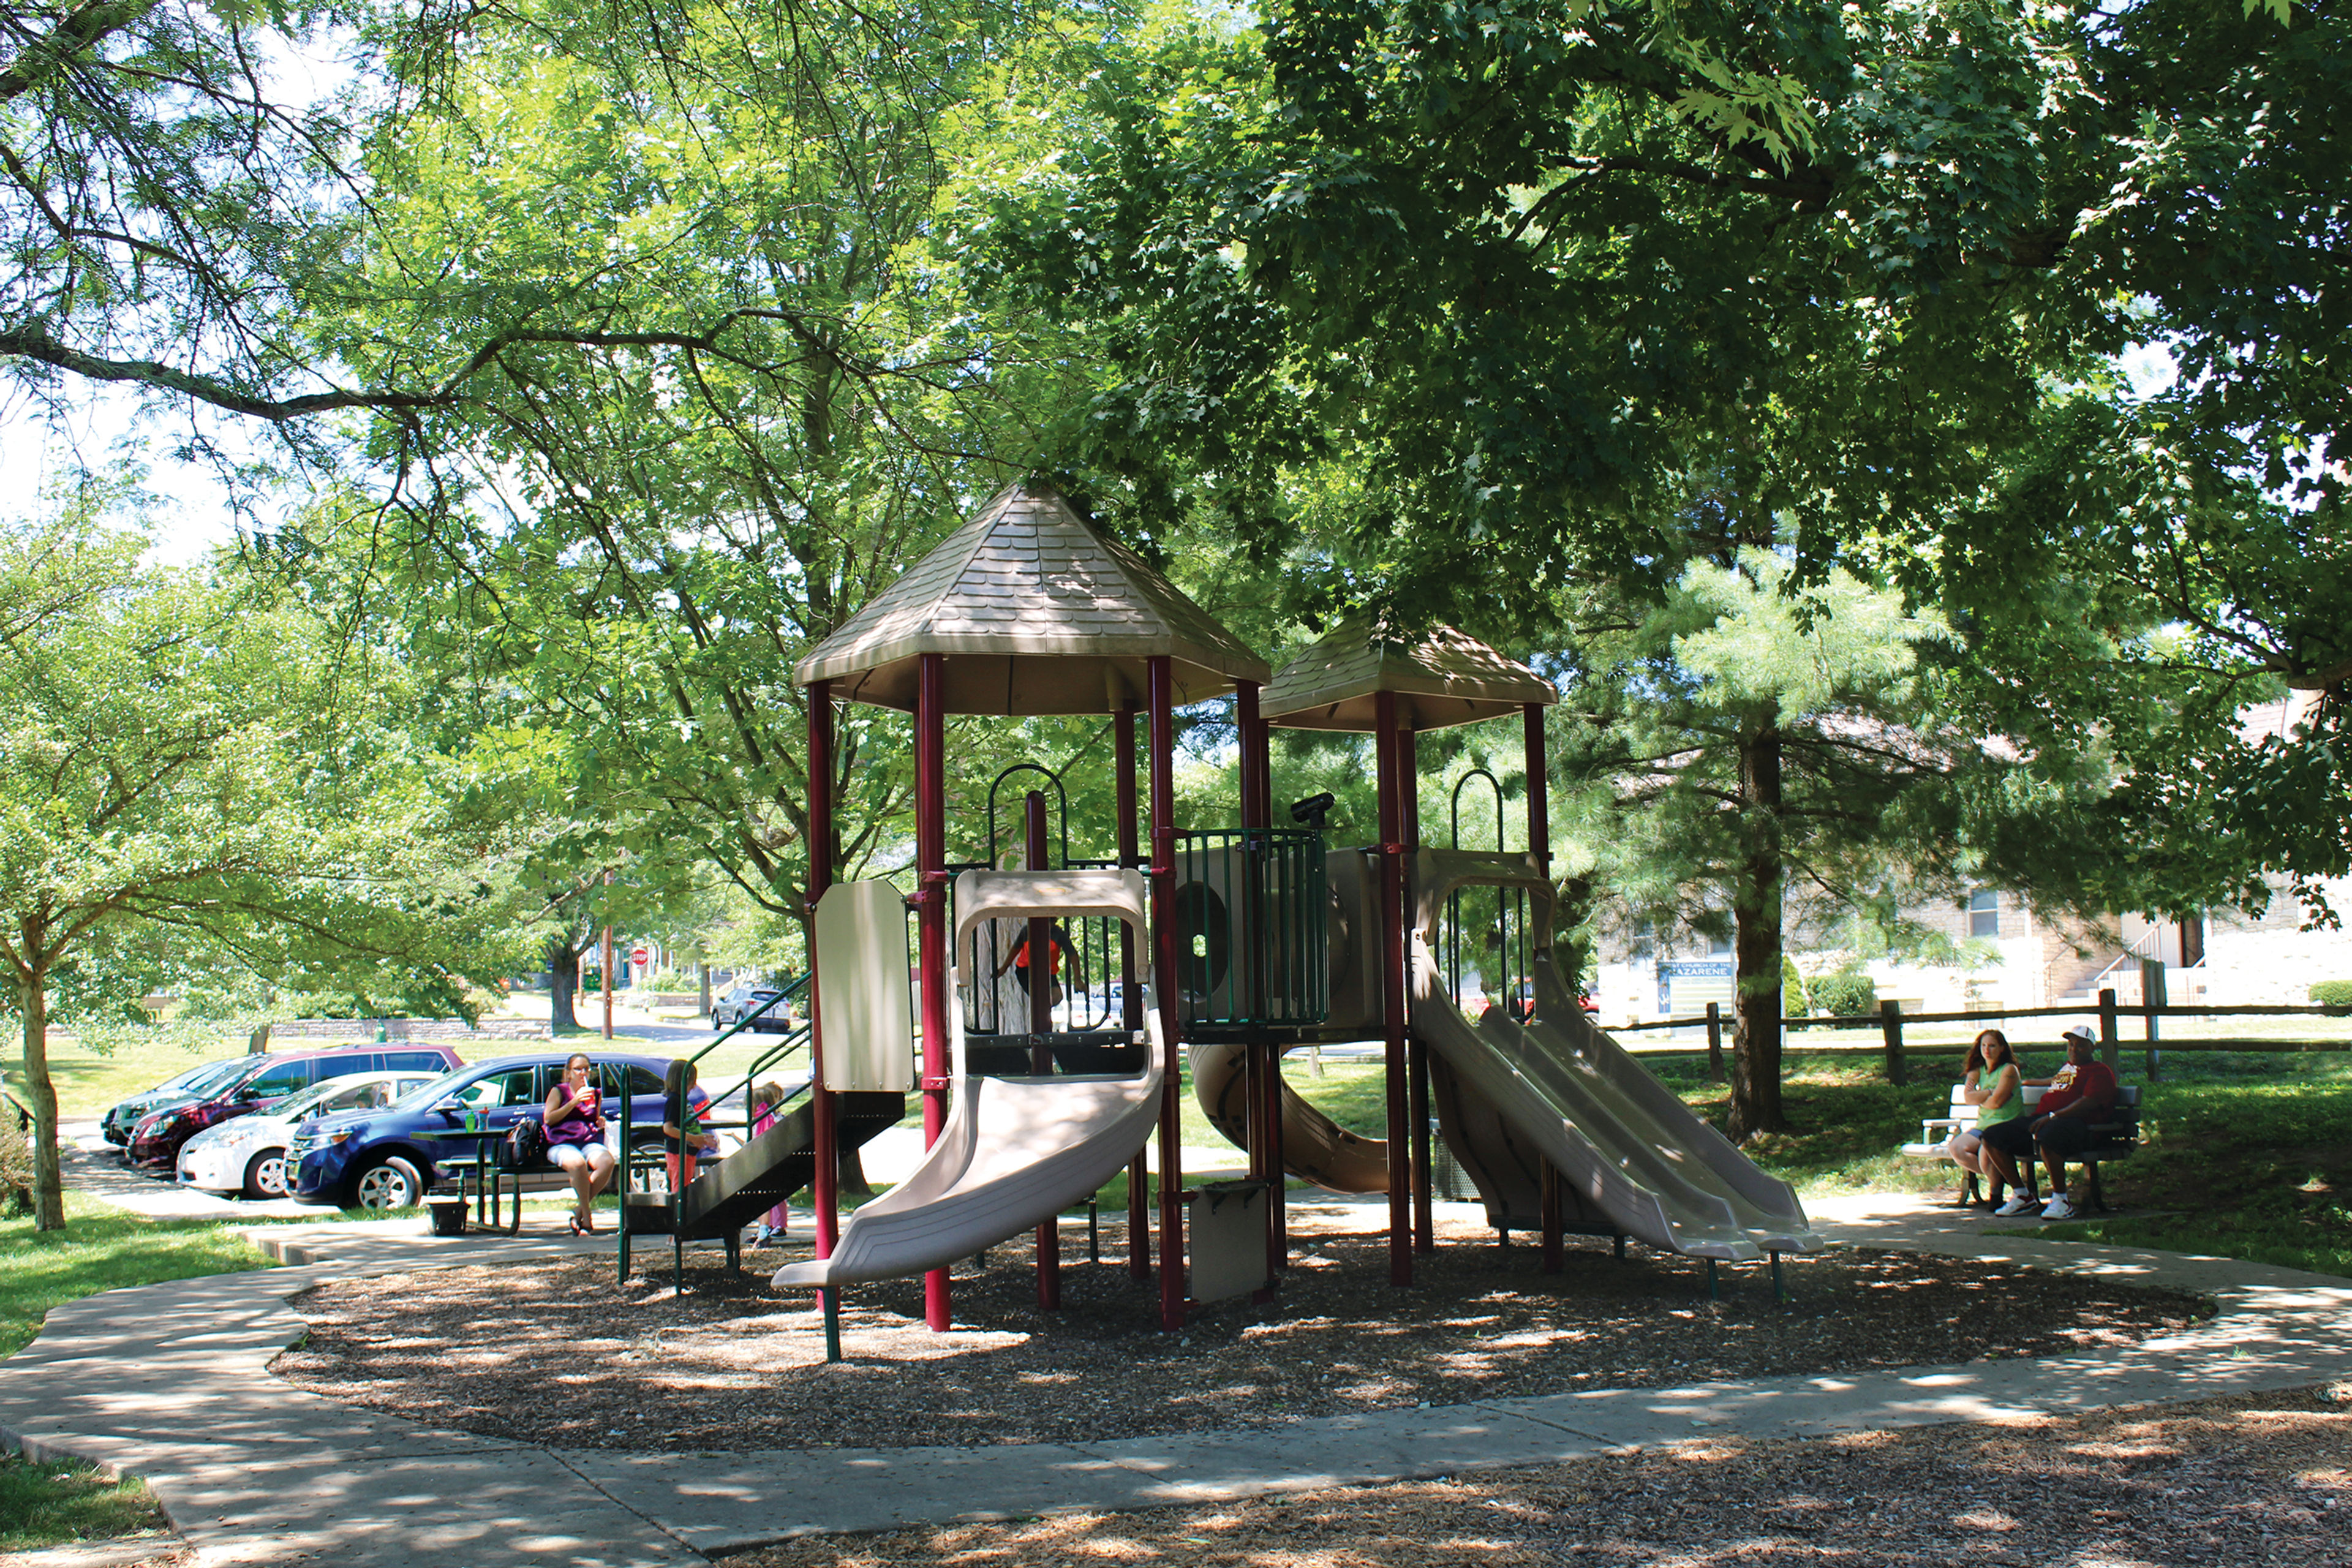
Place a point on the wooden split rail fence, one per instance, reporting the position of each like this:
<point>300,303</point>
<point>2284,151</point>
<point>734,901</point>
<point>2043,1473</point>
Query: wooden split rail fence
<point>1891,1022</point>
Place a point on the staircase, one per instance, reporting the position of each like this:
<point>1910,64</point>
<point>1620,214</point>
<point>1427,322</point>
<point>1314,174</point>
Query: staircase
<point>2119,972</point>
<point>730,1193</point>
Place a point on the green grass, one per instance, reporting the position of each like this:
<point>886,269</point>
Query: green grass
<point>90,1081</point>
<point>50,1505</point>
<point>2289,1240</point>
<point>103,1248</point>
<point>2247,1156</point>
<point>1351,1093</point>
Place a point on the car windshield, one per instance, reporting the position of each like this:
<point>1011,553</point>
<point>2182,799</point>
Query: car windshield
<point>426,1093</point>
<point>206,1080</point>
<point>309,1101</point>
<point>181,1081</point>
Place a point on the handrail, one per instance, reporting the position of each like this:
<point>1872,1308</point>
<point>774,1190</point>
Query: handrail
<point>791,1040</point>
<point>743,1023</point>
<point>2130,954</point>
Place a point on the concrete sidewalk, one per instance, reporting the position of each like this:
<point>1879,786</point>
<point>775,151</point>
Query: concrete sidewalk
<point>170,1382</point>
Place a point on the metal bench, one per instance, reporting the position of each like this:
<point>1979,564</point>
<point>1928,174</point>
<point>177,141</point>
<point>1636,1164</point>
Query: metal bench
<point>2118,1128</point>
<point>486,1181</point>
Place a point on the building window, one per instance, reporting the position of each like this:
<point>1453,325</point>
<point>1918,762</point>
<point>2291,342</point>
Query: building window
<point>1984,912</point>
<point>1718,947</point>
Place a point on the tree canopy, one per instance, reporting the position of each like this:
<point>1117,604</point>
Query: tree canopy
<point>197,755</point>
<point>628,349</point>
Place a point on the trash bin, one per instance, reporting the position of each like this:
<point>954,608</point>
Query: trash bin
<point>448,1214</point>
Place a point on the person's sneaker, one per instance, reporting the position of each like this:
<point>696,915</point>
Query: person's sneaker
<point>2061,1206</point>
<point>2018,1204</point>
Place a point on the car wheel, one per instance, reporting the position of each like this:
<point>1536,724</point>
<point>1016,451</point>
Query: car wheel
<point>265,1176</point>
<point>390,1183</point>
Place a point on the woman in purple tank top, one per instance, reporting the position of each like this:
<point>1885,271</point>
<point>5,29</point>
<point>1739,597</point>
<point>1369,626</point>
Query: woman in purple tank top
<point>576,1138</point>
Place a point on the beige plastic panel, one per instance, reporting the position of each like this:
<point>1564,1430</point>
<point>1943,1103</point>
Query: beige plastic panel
<point>1227,1232</point>
<point>1048,895</point>
<point>863,1000</point>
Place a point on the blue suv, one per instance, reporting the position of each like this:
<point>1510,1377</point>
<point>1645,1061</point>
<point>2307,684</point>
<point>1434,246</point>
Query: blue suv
<point>388,1157</point>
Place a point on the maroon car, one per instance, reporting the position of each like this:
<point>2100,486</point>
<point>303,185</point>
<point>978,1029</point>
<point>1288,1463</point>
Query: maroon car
<point>156,1138</point>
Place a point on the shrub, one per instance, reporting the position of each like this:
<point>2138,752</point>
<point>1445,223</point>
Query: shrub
<point>1846,995</point>
<point>2332,993</point>
<point>15,1166</point>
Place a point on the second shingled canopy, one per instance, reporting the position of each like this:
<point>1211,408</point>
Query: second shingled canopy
<point>1440,677</point>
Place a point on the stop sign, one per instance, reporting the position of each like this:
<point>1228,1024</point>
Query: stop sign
<point>640,955</point>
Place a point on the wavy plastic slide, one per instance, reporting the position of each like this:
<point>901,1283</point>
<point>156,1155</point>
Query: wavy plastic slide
<point>1627,1146</point>
<point>1313,1145</point>
<point>1015,1152</point>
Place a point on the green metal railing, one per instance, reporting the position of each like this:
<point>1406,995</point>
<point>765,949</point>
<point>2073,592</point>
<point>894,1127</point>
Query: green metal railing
<point>1498,948</point>
<point>794,1040</point>
<point>1250,916</point>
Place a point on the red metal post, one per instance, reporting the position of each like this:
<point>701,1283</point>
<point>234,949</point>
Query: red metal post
<point>1554,1243</point>
<point>1262,1089</point>
<point>1138,1208</point>
<point>1038,941</point>
<point>1163,934</point>
<point>1424,1222</point>
<point>1391,792</point>
<point>1258,782</point>
<point>1041,1055</point>
<point>1531,723</point>
<point>932,922</point>
<point>1539,799</point>
<point>827,1184</point>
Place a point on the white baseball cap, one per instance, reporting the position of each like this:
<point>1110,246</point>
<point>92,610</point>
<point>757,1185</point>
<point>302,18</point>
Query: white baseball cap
<point>2081,1032</point>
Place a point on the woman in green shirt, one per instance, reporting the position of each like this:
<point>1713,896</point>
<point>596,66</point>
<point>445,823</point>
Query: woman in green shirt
<point>1963,1147</point>
<point>1999,1098</point>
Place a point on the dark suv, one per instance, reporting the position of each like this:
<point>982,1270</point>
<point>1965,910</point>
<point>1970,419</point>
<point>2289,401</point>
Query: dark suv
<point>388,1158</point>
<point>265,1080</point>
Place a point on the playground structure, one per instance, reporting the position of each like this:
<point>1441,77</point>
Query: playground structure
<point>1054,999</point>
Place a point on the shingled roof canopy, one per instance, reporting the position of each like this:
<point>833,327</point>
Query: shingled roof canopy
<point>1037,613</point>
<point>1444,678</point>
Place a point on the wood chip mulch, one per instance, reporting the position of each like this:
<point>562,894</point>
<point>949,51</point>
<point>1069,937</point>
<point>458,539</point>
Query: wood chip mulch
<point>2249,1479</point>
<point>559,1354</point>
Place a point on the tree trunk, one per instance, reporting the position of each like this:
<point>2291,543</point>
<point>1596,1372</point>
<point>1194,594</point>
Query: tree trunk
<point>48,1180</point>
<point>704,970</point>
<point>1575,908</point>
<point>563,980</point>
<point>1756,943</point>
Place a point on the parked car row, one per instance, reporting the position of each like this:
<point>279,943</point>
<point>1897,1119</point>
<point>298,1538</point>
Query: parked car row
<point>253,1083</point>
<point>192,1084</point>
<point>356,1127</point>
<point>246,1155</point>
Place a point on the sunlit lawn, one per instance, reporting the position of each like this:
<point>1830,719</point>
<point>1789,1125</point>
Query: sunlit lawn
<point>89,1082</point>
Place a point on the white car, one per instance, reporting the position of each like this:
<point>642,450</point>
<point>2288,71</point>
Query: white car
<point>247,1154</point>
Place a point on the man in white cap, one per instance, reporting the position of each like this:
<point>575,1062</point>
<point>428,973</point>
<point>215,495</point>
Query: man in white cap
<point>2083,1090</point>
